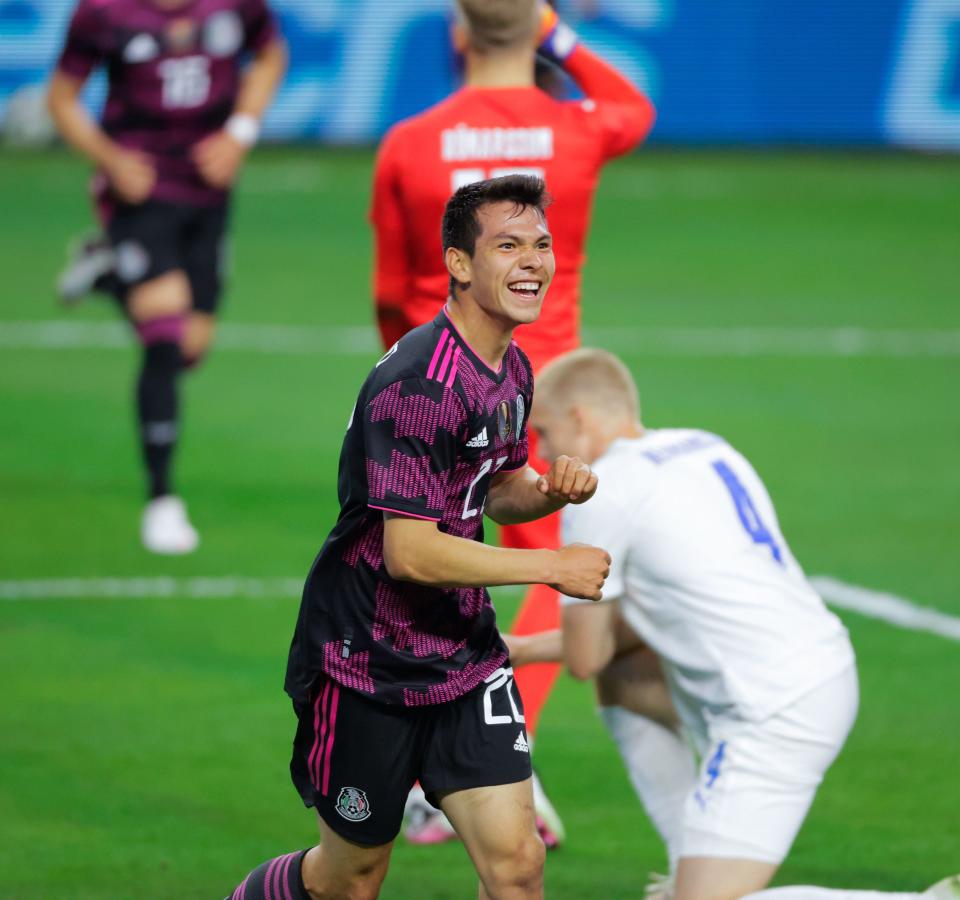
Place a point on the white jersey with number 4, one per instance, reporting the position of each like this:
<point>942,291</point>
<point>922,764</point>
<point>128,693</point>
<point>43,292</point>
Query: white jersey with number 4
<point>705,577</point>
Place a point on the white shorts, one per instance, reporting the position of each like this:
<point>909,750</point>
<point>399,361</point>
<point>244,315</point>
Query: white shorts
<point>758,779</point>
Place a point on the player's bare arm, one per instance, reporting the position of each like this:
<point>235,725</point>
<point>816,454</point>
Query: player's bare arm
<point>635,681</point>
<point>131,173</point>
<point>595,76</point>
<point>416,550</point>
<point>525,495</point>
<point>595,635</point>
<point>589,638</point>
<point>542,647</point>
<point>586,644</point>
<point>220,155</point>
<point>632,679</point>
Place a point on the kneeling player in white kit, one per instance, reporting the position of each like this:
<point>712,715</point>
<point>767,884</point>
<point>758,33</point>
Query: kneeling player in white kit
<point>762,675</point>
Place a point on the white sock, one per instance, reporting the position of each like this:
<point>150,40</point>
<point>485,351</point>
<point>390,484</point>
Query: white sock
<point>802,892</point>
<point>662,769</point>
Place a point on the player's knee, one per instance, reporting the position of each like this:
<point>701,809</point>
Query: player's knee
<point>165,295</point>
<point>197,338</point>
<point>520,868</point>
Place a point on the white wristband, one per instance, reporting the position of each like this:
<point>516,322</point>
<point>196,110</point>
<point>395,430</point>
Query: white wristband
<point>563,41</point>
<point>243,128</point>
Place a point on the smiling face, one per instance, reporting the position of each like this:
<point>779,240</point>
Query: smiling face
<point>512,264</point>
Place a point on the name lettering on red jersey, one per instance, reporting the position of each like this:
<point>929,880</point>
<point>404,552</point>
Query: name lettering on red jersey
<point>463,143</point>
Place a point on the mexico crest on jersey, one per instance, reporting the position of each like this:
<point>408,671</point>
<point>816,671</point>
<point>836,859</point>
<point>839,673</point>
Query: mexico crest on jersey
<point>223,33</point>
<point>521,408</point>
<point>180,35</point>
<point>353,805</point>
<point>504,420</point>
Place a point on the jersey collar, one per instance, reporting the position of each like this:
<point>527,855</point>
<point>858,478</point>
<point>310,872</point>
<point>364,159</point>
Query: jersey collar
<point>497,375</point>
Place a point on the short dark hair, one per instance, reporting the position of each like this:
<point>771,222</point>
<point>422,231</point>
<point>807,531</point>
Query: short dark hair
<point>461,226</point>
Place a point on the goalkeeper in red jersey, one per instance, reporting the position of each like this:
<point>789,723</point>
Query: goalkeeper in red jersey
<point>499,122</point>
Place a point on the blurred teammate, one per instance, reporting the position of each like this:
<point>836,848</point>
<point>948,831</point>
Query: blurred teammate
<point>762,675</point>
<point>180,116</point>
<point>500,122</point>
<point>397,670</point>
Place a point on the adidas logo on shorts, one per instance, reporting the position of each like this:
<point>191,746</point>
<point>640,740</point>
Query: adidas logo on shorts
<point>479,440</point>
<point>521,744</point>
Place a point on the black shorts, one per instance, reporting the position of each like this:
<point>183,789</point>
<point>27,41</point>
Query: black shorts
<point>155,237</point>
<point>355,760</point>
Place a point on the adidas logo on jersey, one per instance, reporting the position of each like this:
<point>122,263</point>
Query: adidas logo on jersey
<point>521,744</point>
<point>479,440</point>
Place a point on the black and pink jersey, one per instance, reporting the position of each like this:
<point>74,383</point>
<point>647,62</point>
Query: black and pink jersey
<point>432,425</point>
<point>173,74</point>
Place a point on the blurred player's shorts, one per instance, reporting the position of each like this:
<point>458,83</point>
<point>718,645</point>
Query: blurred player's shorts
<point>758,779</point>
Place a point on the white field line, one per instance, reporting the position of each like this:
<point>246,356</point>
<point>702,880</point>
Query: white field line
<point>853,341</point>
<point>64,334</point>
<point>874,604</point>
<point>886,607</point>
<point>195,588</point>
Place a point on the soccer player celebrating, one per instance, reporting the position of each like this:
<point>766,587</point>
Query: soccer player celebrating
<point>762,675</point>
<point>500,122</point>
<point>397,670</point>
<point>180,116</point>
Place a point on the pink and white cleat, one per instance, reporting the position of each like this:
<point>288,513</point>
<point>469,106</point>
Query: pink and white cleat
<point>549,823</point>
<point>551,840</point>
<point>435,829</point>
<point>425,823</point>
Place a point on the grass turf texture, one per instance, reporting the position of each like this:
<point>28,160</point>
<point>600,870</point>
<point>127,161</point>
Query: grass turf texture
<point>145,742</point>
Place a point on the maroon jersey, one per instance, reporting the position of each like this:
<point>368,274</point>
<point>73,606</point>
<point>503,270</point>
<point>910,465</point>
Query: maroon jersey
<point>432,425</point>
<point>173,76</point>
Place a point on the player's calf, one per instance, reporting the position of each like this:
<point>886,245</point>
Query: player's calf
<point>157,399</point>
<point>165,527</point>
<point>340,870</point>
<point>278,877</point>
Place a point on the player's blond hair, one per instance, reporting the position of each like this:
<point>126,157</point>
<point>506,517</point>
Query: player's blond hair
<point>494,25</point>
<point>591,377</point>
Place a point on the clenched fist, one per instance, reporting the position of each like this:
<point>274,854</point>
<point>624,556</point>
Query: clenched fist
<point>132,175</point>
<point>218,157</point>
<point>569,480</point>
<point>581,571</point>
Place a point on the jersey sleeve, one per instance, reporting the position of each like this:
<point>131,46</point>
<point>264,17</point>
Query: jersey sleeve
<point>619,112</point>
<point>83,50</point>
<point>601,522</point>
<point>259,25</point>
<point>391,268</point>
<point>412,433</point>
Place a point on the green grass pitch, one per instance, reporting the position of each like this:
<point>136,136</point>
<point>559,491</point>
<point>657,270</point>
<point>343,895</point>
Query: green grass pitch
<point>144,742</point>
